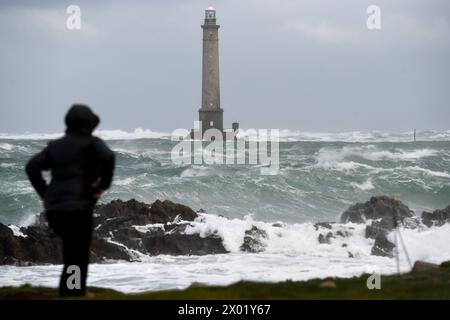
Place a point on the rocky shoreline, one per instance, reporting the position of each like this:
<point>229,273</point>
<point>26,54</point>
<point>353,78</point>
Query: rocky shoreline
<point>129,230</point>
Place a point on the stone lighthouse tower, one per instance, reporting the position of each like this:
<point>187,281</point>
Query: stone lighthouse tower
<point>210,113</point>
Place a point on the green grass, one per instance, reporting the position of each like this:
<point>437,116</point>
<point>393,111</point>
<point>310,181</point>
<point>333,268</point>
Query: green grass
<point>431,284</point>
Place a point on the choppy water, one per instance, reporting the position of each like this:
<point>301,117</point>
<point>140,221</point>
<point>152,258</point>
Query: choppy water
<point>320,176</point>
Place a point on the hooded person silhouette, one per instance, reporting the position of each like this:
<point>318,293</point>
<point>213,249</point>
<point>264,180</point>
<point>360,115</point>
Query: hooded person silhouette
<point>81,168</point>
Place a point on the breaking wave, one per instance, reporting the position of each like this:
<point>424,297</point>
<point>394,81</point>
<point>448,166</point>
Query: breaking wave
<point>285,135</point>
<point>137,133</point>
<point>291,251</point>
<point>317,179</point>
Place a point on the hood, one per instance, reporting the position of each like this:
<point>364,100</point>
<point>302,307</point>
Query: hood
<point>81,119</point>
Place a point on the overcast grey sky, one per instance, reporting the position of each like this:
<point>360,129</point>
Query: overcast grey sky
<point>307,65</point>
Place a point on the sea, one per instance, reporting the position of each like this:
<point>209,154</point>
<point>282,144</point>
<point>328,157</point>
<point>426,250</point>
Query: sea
<point>320,175</point>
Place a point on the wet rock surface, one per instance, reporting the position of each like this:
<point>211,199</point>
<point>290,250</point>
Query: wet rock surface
<point>253,240</point>
<point>382,207</point>
<point>123,230</point>
<point>130,230</point>
<point>436,218</point>
<point>382,246</point>
<point>381,215</point>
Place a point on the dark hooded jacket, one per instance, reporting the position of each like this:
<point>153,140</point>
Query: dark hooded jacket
<point>80,165</point>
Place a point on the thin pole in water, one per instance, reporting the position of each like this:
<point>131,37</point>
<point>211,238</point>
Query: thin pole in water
<point>414,135</point>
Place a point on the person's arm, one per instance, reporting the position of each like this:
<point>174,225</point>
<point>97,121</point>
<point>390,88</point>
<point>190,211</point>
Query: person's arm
<point>34,169</point>
<point>107,162</point>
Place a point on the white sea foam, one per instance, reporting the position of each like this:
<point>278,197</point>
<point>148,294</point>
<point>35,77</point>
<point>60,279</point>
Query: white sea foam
<point>149,227</point>
<point>287,239</point>
<point>398,155</point>
<point>230,230</point>
<point>427,244</point>
<point>142,153</point>
<point>137,133</point>
<point>16,231</point>
<point>284,134</point>
<point>126,152</point>
<point>290,135</point>
<point>301,238</point>
<point>356,136</point>
<point>291,252</point>
<point>124,182</point>
<point>336,159</point>
<point>441,174</point>
<point>6,146</point>
<point>366,185</point>
<point>30,136</point>
<point>440,136</point>
<point>339,159</point>
<point>195,171</point>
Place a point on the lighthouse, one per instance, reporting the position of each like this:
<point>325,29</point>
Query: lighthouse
<point>210,113</point>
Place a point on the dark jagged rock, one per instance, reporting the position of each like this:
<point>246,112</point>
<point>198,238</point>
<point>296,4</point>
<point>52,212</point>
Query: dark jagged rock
<point>102,250</point>
<point>38,245</point>
<point>381,207</point>
<point>376,228</point>
<point>5,232</point>
<point>133,212</point>
<point>343,233</point>
<point>384,214</point>
<point>325,239</point>
<point>126,230</point>
<point>382,246</point>
<point>117,220</point>
<point>335,231</point>
<point>326,225</point>
<point>436,218</point>
<point>129,237</point>
<point>183,244</point>
<point>173,240</point>
<point>119,208</point>
<point>123,230</point>
<point>167,211</point>
<point>277,225</point>
<point>7,243</point>
<point>252,240</point>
